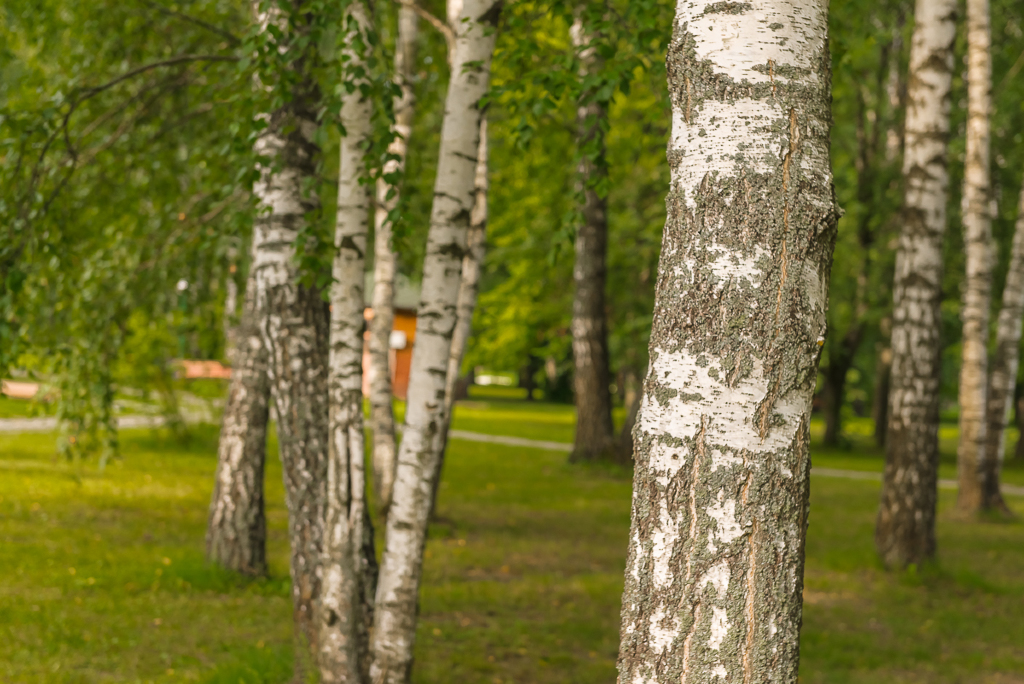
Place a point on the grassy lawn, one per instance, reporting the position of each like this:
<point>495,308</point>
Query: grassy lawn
<point>102,577</point>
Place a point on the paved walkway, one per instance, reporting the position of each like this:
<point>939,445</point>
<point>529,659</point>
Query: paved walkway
<point>49,424</point>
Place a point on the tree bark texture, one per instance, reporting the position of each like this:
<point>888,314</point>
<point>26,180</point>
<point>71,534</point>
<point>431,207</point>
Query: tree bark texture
<point>977,285</point>
<point>454,196</point>
<point>295,332</point>
<point>349,563</point>
<point>592,378</point>
<point>840,362</point>
<point>382,418</point>
<point>905,530</point>
<point>469,287</point>
<point>880,402</point>
<point>1005,360</point>
<point>236,534</point>
<point>716,553</point>
<point>231,322</point>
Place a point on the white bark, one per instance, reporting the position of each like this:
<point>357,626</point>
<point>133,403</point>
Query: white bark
<point>294,329</point>
<point>715,569</point>
<point>469,287</point>
<point>401,566</point>
<point>230,316</point>
<point>1005,361</point>
<point>237,531</point>
<point>348,571</point>
<point>905,532</point>
<point>382,419</point>
<point>472,265</point>
<point>977,286</point>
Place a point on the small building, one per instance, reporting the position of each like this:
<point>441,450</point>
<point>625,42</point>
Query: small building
<point>403,334</point>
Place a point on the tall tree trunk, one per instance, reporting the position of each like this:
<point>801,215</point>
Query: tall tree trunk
<point>236,534</point>
<point>835,374</point>
<point>880,403</point>
<point>978,247</point>
<point>716,553</point>
<point>589,327</point>
<point>632,396</point>
<point>349,564</point>
<point>231,322</point>
<point>294,329</point>
<point>905,531</point>
<point>382,418</point>
<point>844,351</point>
<point>394,627</point>
<point>469,287</point>
<point>1004,367</point>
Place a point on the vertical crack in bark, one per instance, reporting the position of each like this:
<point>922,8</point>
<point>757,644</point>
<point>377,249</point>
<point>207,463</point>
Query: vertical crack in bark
<point>751,593</point>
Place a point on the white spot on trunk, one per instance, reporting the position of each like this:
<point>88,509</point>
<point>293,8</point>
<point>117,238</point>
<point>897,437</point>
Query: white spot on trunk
<point>719,575</point>
<point>724,139</point>
<point>663,538</point>
<point>737,44</point>
<point>732,423</point>
<point>727,528</point>
<point>660,637</point>
<point>719,628</point>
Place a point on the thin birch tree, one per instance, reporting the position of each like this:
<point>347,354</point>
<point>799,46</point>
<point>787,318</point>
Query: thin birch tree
<point>382,419</point>
<point>349,564</point>
<point>237,530</point>
<point>402,562</point>
<point>1005,360</point>
<point>977,285</point>
<point>715,569</point>
<point>905,530</point>
<point>592,375</point>
<point>469,288</point>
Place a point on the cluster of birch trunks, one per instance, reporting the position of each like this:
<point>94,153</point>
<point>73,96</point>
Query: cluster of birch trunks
<point>720,445</point>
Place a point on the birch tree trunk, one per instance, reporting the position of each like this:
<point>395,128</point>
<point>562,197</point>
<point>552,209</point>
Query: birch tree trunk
<point>715,571</point>
<point>592,377</point>
<point>401,566</point>
<point>236,534</point>
<point>382,419</point>
<point>1004,367</point>
<point>469,287</point>
<point>905,530</point>
<point>231,322</point>
<point>977,284</point>
<point>295,332</point>
<point>349,563</point>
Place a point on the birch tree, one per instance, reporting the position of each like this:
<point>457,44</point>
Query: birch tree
<point>237,530</point>
<point>977,285</point>
<point>469,288</point>
<point>1005,360</point>
<point>905,530</point>
<point>295,323</point>
<point>593,437</point>
<point>715,569</point>
<point>382,419</point>
<point>402,561</point>
<point>349,562</point>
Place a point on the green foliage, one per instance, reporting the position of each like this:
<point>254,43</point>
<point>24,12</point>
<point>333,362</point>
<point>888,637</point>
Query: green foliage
<point>526,301</point>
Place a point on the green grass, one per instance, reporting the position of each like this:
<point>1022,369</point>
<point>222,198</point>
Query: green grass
<point>24,408</point>
<point>102,577</point>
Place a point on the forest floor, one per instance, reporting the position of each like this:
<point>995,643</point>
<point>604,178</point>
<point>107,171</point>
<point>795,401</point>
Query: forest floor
<point>102,577</point>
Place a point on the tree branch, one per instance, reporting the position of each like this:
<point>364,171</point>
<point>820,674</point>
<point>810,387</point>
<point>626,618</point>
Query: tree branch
<point>235,40</point>
<point>444,28</point>
<point>180,59</point>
